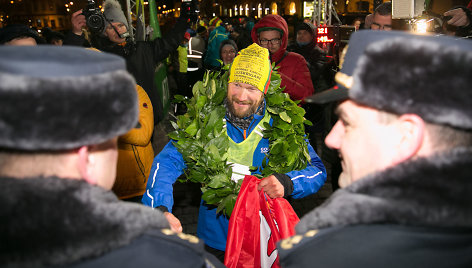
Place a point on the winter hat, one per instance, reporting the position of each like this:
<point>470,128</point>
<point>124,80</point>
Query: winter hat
<point>59,98</point>
<point>216,22</point>
<point>201,29</point>
<point>51,35</point>
<point>402,73</point>
<point>13,31</point>
<point>114,13</point>
<point>252,66</point>
<point>187,36</point>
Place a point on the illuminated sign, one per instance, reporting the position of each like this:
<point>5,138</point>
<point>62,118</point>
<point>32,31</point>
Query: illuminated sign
<point>323,35</point>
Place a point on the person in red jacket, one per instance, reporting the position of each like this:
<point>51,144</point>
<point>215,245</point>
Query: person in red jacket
<point>271,32</point>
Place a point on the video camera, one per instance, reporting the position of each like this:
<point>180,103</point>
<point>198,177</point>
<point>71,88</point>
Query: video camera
<point>94,17</point>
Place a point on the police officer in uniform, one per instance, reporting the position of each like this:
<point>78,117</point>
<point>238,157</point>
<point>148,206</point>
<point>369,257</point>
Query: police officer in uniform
<point>404,136</point>
<point>61,109</point>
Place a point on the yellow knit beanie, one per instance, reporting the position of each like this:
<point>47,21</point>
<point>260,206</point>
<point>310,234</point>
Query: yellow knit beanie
<point>252,66</point>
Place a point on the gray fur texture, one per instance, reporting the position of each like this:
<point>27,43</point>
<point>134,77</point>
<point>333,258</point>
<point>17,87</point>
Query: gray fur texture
<point>416,76</point>
<point>434,191</point>
<point>52,221</point>
<point>59,113</point>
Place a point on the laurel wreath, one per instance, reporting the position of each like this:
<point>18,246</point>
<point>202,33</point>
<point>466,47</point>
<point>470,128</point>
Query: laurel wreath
<point>201,139</point>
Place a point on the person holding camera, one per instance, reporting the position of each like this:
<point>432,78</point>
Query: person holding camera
<point>141,56</point>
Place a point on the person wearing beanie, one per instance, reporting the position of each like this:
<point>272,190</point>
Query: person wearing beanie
<point>271,32</point>
<point>244,116</point>
<point>19,35</point>
<point>228,51</point>
<point>61,111</point>
<point>317,61</point>
<point>404,136</point>
<point>141,56</point>
<point>218,35</point>
<point>53,37</point>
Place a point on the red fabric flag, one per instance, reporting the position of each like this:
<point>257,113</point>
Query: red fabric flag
<point>255,226</point>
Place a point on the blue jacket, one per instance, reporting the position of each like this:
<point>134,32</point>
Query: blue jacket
<point>168,165</point>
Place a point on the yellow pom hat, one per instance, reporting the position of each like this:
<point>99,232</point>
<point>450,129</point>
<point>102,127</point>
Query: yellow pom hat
<point>252,66</point>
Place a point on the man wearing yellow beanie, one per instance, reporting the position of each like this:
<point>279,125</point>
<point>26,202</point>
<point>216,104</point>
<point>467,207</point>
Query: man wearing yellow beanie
<point>244,144</point>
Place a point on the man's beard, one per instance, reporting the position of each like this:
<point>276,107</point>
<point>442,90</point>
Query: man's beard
<point>252,109</point>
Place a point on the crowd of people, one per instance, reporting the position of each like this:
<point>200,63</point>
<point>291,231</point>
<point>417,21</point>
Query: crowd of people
<point>82,185</point>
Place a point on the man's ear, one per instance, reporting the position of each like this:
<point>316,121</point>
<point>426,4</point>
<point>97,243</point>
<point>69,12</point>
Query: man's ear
<point>85,164</point>
<point>412,130</point>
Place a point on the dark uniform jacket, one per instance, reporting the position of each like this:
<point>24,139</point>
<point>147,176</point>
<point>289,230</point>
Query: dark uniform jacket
<point>52,222</point>
<point>142,58</point>
<point>416,214</point>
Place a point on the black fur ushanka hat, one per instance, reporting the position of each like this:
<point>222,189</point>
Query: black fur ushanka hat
<point>58,98</point>
<point>400,72</point>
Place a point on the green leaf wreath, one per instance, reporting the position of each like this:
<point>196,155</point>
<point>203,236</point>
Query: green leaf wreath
<point>201,139</point>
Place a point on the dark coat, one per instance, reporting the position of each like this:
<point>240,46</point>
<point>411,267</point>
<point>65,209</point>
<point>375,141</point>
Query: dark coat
<point>142,58</point>
<point>321,67</point>
<point>56,222</point>
<point>416,214</point>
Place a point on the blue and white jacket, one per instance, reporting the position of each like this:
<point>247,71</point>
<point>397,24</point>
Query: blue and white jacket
<point>169,164</point>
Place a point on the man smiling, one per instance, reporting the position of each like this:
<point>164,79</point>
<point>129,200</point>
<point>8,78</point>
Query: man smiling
<point>245,119</point>
<point>404,135</point>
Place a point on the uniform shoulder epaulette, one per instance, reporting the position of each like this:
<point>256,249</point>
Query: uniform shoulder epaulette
<point>296,240</point>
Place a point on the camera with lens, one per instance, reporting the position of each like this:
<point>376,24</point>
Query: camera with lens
<point>190,9</point>
<point>94,17</point>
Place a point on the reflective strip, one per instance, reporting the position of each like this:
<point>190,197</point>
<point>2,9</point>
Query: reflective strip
<point>257,132</point>
<point>260,127</point>
<point>190,45</point>
<point>191,69</point>
<point>308,177</point>
<point>239,171</point>
<point>152,185</point>
<point>194,56</point>
<point>152,198</point>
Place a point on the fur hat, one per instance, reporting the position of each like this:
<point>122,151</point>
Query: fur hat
<point>114,13</point>
<point>13,31</point>
<point>401,73</point>
<point>60,98</point>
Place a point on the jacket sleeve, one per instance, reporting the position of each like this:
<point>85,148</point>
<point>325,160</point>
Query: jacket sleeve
<point>309,180</point>
<point>141,135</point>
<point>72,39</point>
<point>167,166</point>
<point>299,85</point>
<point>163,46</point>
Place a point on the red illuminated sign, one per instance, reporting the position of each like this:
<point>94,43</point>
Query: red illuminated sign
<point>323,35</point>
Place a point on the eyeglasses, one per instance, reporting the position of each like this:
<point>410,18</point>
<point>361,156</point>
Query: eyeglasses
<point>274,41</point>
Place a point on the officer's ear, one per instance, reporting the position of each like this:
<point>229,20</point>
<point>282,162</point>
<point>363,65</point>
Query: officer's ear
<point>85,163</point>
<point>411,129</point>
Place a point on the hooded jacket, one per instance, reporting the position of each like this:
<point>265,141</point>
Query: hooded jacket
<point>292,66</point>
<point>415,214</point>
<point>135,153</point>
<point>319,64</point>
